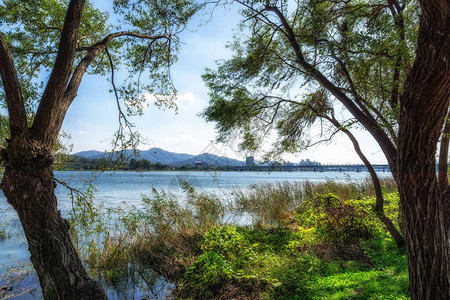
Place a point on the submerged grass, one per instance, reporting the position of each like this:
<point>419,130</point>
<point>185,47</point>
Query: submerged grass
<point>3,233</point>
<point>307,241</point>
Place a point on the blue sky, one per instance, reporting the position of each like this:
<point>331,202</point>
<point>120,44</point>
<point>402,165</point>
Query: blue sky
<point>93,118</point>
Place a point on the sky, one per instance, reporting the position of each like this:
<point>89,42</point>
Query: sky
<point>92,119</point>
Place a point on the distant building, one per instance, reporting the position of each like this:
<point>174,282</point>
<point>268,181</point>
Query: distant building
<point>249,161</point>
<point>199,163</point>
<point>308,163</point>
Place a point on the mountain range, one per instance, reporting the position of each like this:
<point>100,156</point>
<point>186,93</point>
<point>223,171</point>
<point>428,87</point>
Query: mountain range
<point>162,156</point>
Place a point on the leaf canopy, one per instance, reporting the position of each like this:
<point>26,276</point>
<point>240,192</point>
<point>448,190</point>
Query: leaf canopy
<point>33,28</point>
<point>296,60</point>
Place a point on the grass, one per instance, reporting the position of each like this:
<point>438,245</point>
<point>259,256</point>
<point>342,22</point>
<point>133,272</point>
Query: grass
<point>3,233</point>
<point>307,241</point>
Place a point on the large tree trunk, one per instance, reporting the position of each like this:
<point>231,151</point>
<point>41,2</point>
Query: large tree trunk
<point>28,185</point>
<point>426,234</point>
<point>424,105</point>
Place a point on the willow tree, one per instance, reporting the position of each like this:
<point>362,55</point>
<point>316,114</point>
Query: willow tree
<point>383,65</point>
<point>63,41</point>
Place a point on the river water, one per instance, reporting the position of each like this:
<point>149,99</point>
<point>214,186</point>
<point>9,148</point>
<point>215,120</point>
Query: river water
<point>122,189</point>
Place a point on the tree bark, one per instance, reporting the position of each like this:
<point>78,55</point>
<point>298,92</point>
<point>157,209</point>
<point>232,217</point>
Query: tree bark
<point>424,104</point>
<point>28,185</point>
<point>443,155</point>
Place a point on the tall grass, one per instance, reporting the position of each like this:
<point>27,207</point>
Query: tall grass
<point>181,239</point>
<point>139,245</point>
<point>3,234</point>
<point>271,204</point>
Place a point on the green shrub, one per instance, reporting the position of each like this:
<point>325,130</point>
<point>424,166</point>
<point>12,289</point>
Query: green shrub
<point>335,221</point>
<point>208,273</point>
<point>285,254</point>
<point>228,241</point>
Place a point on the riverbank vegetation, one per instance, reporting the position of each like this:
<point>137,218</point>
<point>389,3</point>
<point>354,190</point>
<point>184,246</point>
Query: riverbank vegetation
<point>298,240</point>
<point>78,163</point>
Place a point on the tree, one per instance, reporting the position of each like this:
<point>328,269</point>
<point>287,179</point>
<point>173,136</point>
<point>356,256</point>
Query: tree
<point>298,61</point>
<point>66,40</point>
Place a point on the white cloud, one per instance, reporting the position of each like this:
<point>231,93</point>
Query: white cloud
<point>181,140</point>
<point>187,98</point>
<point>82,132</point>
<point>180,99</point>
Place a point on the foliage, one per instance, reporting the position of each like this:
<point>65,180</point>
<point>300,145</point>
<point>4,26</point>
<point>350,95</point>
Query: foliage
<point>332,250</point>
<point>294,61</point>
<point>140,37</point>
<point>334,220</point>
<point>208,272</point>
<point>33,29</point>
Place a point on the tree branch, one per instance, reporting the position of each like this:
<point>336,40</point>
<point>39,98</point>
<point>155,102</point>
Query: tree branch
<point>366,120</point>
<point>61,73</point>
<point>379,199</point>
<point>134,138</point>
<point>59,111</point>
<point>14,99</point>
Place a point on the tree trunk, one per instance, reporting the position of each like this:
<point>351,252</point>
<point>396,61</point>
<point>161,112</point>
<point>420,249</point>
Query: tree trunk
<point>443,155</point>
<point>28,185</point>
<point>424,105</point>
<point>426,235</point>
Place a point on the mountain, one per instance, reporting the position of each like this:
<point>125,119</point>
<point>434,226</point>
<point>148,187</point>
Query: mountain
<point>90,154</point>
<point>155,155</point>
<point>209,159</point>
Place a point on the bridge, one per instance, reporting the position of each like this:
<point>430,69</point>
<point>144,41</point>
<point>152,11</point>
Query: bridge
<point>319,168</point>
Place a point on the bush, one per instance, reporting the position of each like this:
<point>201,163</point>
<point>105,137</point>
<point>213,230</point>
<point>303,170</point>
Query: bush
<point>228,241</point>
<point>335,221</point>
<point>207,275</point>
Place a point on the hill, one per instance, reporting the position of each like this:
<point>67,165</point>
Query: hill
<point>155,155</point>
<point>209,159</point>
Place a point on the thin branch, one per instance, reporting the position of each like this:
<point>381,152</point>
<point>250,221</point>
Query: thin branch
<point>57,112</point>
<point>76,194</point>
<point>123,121</point>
